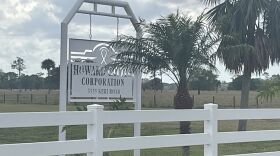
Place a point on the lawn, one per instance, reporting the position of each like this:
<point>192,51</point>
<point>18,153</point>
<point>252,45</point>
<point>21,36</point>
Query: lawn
<point>21,135</point>
<point>164,99</point>
<point>225,99</point>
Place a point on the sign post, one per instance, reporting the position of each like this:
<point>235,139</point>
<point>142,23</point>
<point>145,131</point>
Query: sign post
<point>86,81</point>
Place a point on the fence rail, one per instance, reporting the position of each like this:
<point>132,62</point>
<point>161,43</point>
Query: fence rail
<point>13,120</point>
<point>96,117</point>
<point>260,154</point>
<point>47,148</point>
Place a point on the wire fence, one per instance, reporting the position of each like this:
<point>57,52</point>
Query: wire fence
<point>229,99</point>
<point>29,97</point>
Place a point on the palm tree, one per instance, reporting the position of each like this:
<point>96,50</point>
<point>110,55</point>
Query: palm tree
<point>48,64</point>
<point>250,37</point>
<point>174,45</point>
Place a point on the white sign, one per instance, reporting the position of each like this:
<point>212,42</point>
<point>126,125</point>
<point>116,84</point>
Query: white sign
<point>88,80</point>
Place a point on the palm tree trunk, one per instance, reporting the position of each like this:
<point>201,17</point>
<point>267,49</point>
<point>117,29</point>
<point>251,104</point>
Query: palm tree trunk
<point>198,90</point>
<point>48,72</point>
<point>183,100</point>
<point>155,100</point>
<point>244,101</point>
<point>246,78</point>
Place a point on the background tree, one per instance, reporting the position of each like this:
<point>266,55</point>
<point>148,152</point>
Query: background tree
<point>203,79</point>
<point>10,80</point>
<point>19,65</point>
<point>271,88</point>
<point>154,84</point>
<point>2,75</point>
<point>173,45</point>
<point>170,86</point>
<point>48,64</point>
<point>31,81</point>
<point>3,80</point>
<point>236,84</point>
<point>52,81</point>
<point>250,35</point>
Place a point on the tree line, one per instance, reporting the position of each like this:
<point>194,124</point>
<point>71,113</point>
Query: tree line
<point>202,79</point>
<point>206,80</point>
<point>19,80</point>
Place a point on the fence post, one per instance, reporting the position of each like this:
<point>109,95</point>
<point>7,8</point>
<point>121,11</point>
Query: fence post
<point>193,98</point>
<point>31,98</point>
<point>234,102</point>
<point>257,102</point>
<point>95,130</point>
<point>17,98</point>
<point>4,97</point>
<point>46,99</point>
<point>211,128</point>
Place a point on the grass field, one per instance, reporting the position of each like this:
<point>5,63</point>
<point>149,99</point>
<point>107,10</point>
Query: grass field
<point>225,99</point>
<point>164,100</point>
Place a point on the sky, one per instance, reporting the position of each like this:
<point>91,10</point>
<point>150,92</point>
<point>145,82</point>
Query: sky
<point>30,29</point>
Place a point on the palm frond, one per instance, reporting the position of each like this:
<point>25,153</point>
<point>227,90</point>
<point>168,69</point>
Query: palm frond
<point>272,22</point>
<point>233,53</point>
<point>137,54</point>
<point>219,11</point>
<point>172,44</point>
<point>211,2</point>
<point>241,19</point>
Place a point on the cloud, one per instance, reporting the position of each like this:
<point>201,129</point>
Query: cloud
<point>28,29</point>
<point>16,11</point>
<point>32,49</point>
<point>25,17</point>
<point>31,28</point>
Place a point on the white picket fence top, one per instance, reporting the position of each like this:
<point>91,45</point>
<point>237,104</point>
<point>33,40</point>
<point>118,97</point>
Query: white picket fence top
<point>95,118</point>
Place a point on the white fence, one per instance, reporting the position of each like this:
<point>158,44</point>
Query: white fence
<point>95,118</point>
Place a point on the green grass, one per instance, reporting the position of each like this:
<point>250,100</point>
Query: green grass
<point>225,99</point>
<point>38,134</point>
<point>164,99</point>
